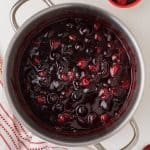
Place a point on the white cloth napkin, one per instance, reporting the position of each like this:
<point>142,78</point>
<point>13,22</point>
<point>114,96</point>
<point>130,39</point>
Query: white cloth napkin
<point>13,133</point>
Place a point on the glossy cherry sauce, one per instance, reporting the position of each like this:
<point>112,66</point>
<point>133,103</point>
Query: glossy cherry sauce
<point>76,75</point>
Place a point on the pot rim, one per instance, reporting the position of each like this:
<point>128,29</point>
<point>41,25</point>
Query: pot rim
<point>59,142</point>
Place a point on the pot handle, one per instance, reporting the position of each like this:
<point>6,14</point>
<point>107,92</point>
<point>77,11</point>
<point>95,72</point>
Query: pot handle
<point>133,141</point>
<point>15,8</point>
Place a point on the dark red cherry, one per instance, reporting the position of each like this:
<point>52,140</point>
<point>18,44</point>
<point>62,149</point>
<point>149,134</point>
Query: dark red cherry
<point>82,63</point>
<point>115,58</point>
<point>71,75</point>
<point>104,94</point>
<point>93,68</point>
<point>121,2</point>
<point>147,147</point>
<point>67,92</point>
<point>42,73</point>
<point>125,84</point>
<point>35,60</point>
<point>85,81</point>
<point>63,118</point>
<point>105,117</point>
<point>118,91</point>
<point>64,77</point>
<point>54,43</point>
<point>40,99</point>
<point>115,70</point>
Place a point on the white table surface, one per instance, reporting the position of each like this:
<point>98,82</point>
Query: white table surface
<point>137,19</point>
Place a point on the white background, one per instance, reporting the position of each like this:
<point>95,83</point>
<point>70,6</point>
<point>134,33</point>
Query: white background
<point>137,19</point>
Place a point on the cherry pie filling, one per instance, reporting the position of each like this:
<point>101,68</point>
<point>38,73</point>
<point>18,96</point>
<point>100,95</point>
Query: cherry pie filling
<point>76,75</point>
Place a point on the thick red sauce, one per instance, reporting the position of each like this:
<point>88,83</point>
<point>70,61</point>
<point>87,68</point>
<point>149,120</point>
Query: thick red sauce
<point>76,75</point>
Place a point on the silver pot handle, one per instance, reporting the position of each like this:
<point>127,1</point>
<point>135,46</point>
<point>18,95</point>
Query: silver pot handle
<point>17,5</point>
<point>133,141</point>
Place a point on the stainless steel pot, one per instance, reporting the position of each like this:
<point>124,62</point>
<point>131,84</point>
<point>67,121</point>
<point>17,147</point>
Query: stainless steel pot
<point>12,61</point>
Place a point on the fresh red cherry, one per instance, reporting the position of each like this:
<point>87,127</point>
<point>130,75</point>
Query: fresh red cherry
<point>115,69</point>
<point>85,82</point>
<point>40,99</point>
<point>122,2</point>
<point>93,68</point>
<point>55,43</point>
<point>104,93</point>
<point>125,84</point>
<point>147,147</point>
<point>82,63</point>
<point>72,37</point>
<point>105,117</point>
